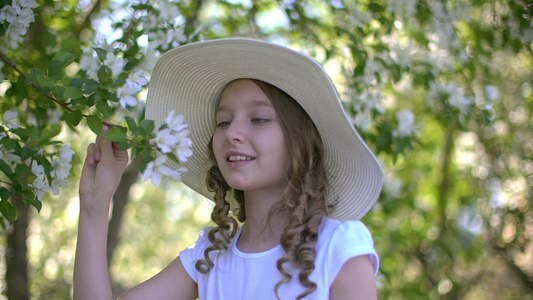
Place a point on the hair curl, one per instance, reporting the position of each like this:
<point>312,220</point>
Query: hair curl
<point>304,198</point>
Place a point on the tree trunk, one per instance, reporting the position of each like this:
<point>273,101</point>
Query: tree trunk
<point>120,199</point>
<point>17,254</point>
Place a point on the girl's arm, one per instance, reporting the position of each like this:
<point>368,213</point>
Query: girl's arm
<point>355,280</point>
<point>100,177</point>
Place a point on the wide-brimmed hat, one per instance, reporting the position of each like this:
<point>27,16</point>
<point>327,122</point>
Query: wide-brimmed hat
<point>190,79</point>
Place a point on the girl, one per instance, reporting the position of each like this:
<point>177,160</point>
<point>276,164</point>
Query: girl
<point>270,135</point>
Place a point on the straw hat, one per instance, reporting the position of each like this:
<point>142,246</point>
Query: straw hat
<point>191,78</point>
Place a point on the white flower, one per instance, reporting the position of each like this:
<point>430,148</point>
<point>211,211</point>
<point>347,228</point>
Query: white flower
<point>115,64</point>
<point>183,150</point>
<point>175,122</point>
<point>91,65</point>
<point>392,185</point>
<point>166,139</point>
<point>170,173</point>
<point>27,3</point>
<point>371,68</point>
<point>172,139</point>
<point>8,157</point>
<point>8,13</point>
<point>158,169</point>
<point>26,17</point>
<point>54,116</point>
<point>10,119</point>
<point>175,37</point>
<point>405,123</point>
<point>126,97</point>
<point>132,86</point>
<point>362,121</point>
<point>152,170</point>
<point>39,184</point>
<point>457,99</point>
<point>492,92</point>
<point>137,80</point>
<point>66,153</point>
<point>57,184</point>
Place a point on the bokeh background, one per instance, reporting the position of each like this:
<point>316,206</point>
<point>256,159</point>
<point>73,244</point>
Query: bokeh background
<point>440,90</point>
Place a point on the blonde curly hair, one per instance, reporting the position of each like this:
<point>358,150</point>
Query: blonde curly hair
<point>304,198</point>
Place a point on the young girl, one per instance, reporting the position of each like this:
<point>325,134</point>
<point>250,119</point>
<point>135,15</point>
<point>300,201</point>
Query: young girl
<point>271,147</point>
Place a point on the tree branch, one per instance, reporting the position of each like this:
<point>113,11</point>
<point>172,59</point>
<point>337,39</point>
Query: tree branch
<point>12,65</point>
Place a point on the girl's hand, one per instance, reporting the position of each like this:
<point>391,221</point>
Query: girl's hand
<point>101,174</point>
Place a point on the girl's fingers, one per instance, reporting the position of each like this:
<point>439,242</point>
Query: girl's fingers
<point>90,153</point>
<point>101,143</point>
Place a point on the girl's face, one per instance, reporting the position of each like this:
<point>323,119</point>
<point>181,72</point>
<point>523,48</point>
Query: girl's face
<point>248,143</point>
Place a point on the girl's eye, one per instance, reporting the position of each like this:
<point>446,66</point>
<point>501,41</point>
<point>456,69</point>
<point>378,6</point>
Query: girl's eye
<point>259,120</point>
<point>223,124</point>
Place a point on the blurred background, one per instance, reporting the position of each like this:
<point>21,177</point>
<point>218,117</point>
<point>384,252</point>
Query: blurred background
<point>440,90</point>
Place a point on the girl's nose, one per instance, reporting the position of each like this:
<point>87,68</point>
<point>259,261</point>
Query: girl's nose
<point>235,132</point>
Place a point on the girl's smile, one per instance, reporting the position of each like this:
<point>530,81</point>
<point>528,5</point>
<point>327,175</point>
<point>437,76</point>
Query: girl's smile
<point>249,143</point>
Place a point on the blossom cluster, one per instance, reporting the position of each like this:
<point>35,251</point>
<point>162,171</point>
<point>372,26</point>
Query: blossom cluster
<point>453,93</point>
<point>406,124</point>
<point>171,139</point>
<point>91,64</point>
<point>60,166</point>
<point>19,15</point>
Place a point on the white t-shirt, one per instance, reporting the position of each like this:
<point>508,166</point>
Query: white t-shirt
<point>239,275</point>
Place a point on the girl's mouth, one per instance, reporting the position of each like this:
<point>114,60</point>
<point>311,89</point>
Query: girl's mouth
<point>236,158</point>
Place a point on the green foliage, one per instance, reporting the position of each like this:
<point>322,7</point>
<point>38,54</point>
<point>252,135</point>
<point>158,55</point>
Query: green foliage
<point>456,203</point>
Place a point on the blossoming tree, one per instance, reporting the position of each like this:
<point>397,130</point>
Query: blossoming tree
<point>441,90</point>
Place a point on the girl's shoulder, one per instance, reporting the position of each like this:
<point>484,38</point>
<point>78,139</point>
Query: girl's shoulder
<point>339,241</point>
<point>350,228</point>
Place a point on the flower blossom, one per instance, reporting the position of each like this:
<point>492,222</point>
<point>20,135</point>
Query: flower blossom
<point>61,168</point>
<point>406,123</point>
<point>16,18</point>
<point>172,138</point>
<point>159,168</point>
<point>10,119</point>
<point>115,64</point>
<point>89,63</point>
<point>39,184</point>
<point>132,86</point>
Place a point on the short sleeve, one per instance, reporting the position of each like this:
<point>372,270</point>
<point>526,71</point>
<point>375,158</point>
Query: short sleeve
<point>193,253</point>
<point>349,239</point>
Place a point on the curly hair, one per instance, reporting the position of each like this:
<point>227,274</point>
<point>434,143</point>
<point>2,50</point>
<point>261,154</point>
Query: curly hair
<point>304,198</point>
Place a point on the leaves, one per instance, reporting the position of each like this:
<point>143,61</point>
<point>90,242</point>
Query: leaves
<point>94,123</point>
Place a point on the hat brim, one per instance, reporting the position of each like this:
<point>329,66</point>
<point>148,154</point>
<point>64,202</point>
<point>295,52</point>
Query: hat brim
<point>191,78</point>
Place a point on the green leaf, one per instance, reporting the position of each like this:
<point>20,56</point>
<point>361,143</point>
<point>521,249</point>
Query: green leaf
<point>73,93</point>
<point>94,123</point>
<point>4,193</point>
<point>8,143</point>
<point>26,153</point>
<point>131,123</point>
<point>124,146</point>
<point>22,171</point>
<point>5,168</point>
<point>8,211</point>
<point>147,125</point>
<point>104,108</point>
<point>75,118</point>
<point>48,132</point>
<point>116,134</point>
<point>66,58</point>
<point>59,92</point>
<point>32,78</point>
<point>101,53</point>
<point>37,204</point>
